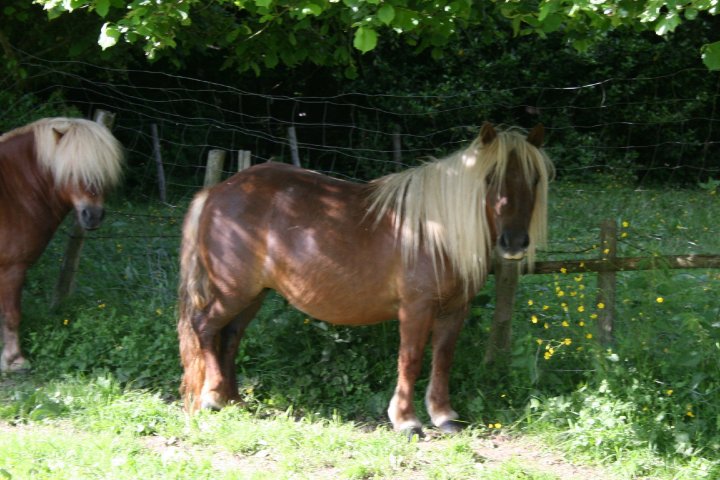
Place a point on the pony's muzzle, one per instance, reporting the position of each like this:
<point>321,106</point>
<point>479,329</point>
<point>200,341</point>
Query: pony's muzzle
<point>513,246</point>
<point>90,217</point>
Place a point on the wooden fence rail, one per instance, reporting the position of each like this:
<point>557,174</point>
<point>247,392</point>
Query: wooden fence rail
<point>507,276</point>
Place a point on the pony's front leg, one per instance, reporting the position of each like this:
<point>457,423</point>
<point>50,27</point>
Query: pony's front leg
<point>414,331</point>
<point>437,398</point>
<point>11,281</point>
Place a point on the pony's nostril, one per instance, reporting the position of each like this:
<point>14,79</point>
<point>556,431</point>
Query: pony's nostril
<point>514,243</point>
<point>504,241</point>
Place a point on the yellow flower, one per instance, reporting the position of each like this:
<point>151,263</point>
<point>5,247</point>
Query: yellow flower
<point>66,322</point>
<point>560,293</point>
<point>101,306</point>
<point>539,341</point>
<point>159,311</point>
<point>530,302</point>
<point>534,319</point>
<point>588,336</point>
<point>547,325</point>
<point>625,224</point>
<point>563,270</point>
<point>659,299</point>
<point>567,341</point>
<point>565,323</point>
<point>601,305</point>
<point>606,251</point>
<point>689,414</point>
<point>581,309</point>
<point>623,235</point>
<point>545,307</point>
<point>593,316</point>
<point>581,323</point>
<point>668,392</point>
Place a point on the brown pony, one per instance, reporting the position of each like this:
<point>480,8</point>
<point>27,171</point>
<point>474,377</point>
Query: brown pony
<point>413,245</point>
<point>47,168</point>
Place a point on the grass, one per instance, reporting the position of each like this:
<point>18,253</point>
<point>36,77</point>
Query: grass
<point>101,401</point>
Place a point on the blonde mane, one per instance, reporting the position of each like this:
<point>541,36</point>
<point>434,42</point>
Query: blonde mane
<point>76,151</point>
<point>439,207</point>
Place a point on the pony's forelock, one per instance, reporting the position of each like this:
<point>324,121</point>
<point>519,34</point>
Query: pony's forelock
<point>440,206</point>
<point>78,152</point>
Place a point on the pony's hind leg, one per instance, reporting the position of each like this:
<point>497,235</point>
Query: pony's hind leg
<point>11,281</point>
<point>414,331</point>
<point>437,398</point>
<point>230,337</point>
<point>219,329</point>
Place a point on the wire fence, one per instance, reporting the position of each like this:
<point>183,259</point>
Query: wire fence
<point>669,127</point>
<point>602,129</point>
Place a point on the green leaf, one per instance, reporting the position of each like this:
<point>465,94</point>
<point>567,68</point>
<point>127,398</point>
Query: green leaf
<point>263,3</point>
<point>271,60</point>
<point>552,23</point>
<point>109,35</point>
<point>312,9</point>
<point>365,39</point>
<point>102,7</point>
<point>386,13</point>
<point>711,55</point>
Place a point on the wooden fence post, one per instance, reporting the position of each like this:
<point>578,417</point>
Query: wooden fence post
<point>213,171</point>
<point>244,160</point>
<point>294,152</point>
<point>71,260</point>
<point>606,282</point>
<point>507,275</point>
<point>158,162</point>
<point>397,149</point>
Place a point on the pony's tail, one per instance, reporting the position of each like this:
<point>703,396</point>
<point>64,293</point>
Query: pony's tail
<point>193,296</point>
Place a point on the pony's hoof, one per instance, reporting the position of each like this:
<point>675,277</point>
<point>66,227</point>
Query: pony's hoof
<point>17,366</point>
<point>451,427</point>
<point>211,402</point>
<point>413,432</point>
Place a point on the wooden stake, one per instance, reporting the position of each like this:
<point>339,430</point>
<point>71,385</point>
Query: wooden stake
<point>397,149</point>
<point>244,160</point>
<point>158,162</point>
<point>507,276</point>
<point>294,152</point>
<point>213,171</point>
<point>606,282</point>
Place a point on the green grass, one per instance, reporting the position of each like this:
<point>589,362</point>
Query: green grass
<point>106,367</point>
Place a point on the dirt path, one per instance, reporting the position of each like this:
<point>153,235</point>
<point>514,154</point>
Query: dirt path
<point>490,454</point>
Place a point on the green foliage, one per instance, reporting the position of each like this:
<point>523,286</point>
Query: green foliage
<point>259,34</point>
<point>20,110</point>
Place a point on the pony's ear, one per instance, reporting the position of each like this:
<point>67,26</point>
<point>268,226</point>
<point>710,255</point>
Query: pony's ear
<point>487,133</point>
<point>59,133</point>
<point>536,135</point>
